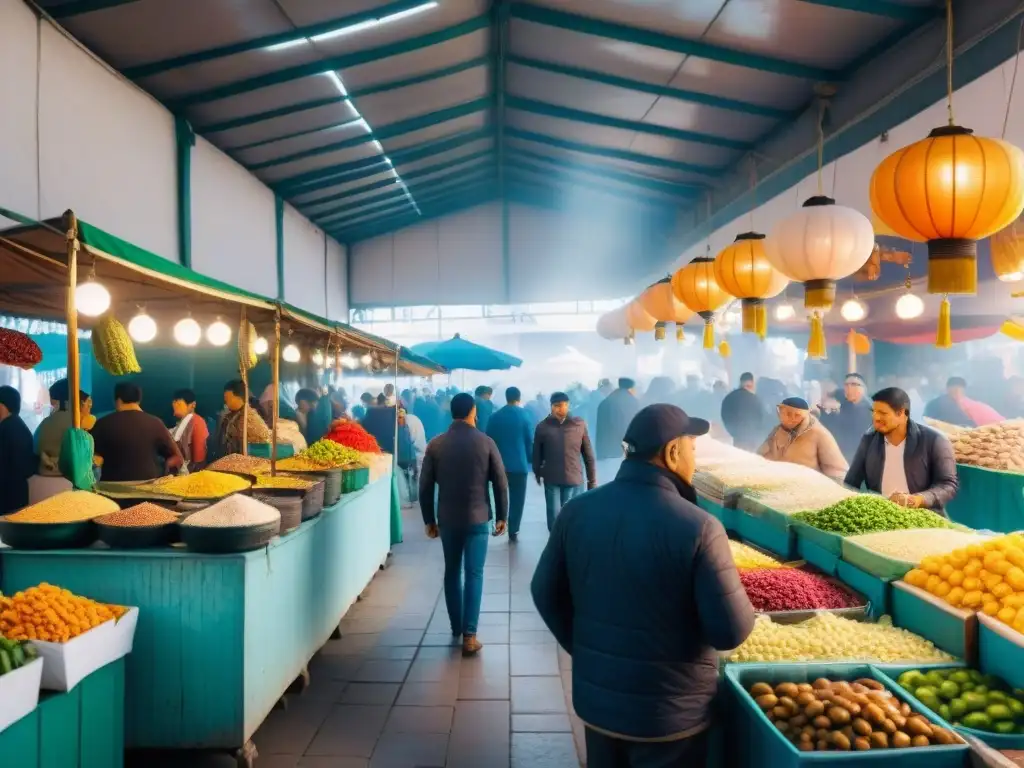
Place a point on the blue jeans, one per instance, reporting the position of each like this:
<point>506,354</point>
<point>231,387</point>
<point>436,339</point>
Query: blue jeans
<point>556,497</point>
<point>464,548</point>
<point>516,500</point>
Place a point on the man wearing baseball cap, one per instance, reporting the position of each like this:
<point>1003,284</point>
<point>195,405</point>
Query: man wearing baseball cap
<point>638,584</point>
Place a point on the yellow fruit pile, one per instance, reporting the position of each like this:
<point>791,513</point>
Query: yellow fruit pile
<point>747,557</point>
<point>986,577</point>
<point>52,614</point>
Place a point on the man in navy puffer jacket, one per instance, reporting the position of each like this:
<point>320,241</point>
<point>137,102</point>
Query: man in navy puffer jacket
<point>638,584</point>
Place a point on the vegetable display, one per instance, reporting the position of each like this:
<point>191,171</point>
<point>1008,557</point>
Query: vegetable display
<point>802,496</point>
<point>14,654</point>
<point>333,454</point>
<point>300,463</point>
<point>968,698</point>
<point>18,350</point>
<point>840,716</point>
<point>139,516</point>
<point>52,614</point>
<point>239,464</point>
<point>205,484</point>
<point>914,544</point>
<point>793,589</point>
<point>995,446</point>
<point>747,557</point>
<point>233,511</point>
<point>112,347</point>
<point>987,577</point>
<point>827,637</point>
<point>66,507</point>
<point>866,513</point>
<point>283,481</point>
<point>352,435</point>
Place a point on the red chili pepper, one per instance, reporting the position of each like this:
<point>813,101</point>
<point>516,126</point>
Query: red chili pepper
<point>350,434</point>
<point>18,350</point>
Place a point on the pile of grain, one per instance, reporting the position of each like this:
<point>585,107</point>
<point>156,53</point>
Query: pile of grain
<point>67,507</point>
<point>232,512</point>
<point>142,515</point>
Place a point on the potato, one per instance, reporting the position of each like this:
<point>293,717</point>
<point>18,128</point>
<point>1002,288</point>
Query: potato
<point>840,741</point>
<point>838,715</point>
<point>861,744</point>
<point>781,712</point>
<point>787,689</point>
<point>782,726</point>
<point>900,721</point>
<point>821,683</point>
<point>814,709</point>
<point>858,688</point>
<point>798,721</point>
<point>821,745</point>
<point>804,687</point>
<point>823,733</point>
<point>920,741</point>
<point>767,702</point>
<point>942,736</point>
<point>847,731</point>
<point>867,682</point>
<point>879,740</point>
<point>861,727</point>
<point>822,722</point>
<point>874,714</point>
<point>889,727</point>
<point>805,698</point>
<point>900,740</point>
<point>789,704</point>
<point>918,726</point>
<point>760,689</point>
<point>805,746</point>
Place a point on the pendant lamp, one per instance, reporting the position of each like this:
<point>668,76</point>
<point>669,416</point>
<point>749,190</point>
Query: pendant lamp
<point>743,270</point>
<point>638,319</point>
<point>614,327</point>
<point>1008,253</point>
<point>663,306</point>
<point>695,285</point>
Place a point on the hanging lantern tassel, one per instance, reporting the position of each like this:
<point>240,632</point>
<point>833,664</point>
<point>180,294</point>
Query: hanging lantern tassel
<point>761,324</point>
<point>709,329</point>
<point>816,348</point>
<point>724,349</point>
<point>944,335</point>
<point>679,333</point>
<point>749,309</point>
<point>659,332</point>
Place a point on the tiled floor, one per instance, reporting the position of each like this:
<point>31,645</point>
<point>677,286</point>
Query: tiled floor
<point>394,693</point>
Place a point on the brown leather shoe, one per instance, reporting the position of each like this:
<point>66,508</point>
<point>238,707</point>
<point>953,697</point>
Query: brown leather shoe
<point>470,645</point>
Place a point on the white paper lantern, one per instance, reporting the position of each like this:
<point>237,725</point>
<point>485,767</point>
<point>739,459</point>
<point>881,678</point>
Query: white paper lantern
<point>142,328</point>
<point>853,311</point>
<point>909,306</point>
<point>613,325</point>
<point>219,333</point>
<point>187,332</point>
<point>291,354</point>
<point>784,312</point>
<point>318,359</point>
<point>91,298</point>
<point>261,346</point>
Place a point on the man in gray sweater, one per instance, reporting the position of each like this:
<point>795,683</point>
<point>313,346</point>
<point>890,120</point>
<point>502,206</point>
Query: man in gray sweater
<point>463,462</point>
<point>561,453</point>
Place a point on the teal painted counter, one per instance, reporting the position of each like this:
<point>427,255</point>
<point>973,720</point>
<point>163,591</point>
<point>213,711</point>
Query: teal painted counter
<point>988,500</point>
<point>83,728</point>
<point>221,637</point>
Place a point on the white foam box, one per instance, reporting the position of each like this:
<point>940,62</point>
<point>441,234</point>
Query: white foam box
<point>19,692</point>
<point>67,664</point>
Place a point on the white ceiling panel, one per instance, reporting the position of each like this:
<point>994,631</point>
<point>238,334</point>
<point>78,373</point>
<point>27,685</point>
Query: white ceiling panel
<point>273,97</point>
<point>564,129</point>
<point>342,131</point>
<point>684,115</point>
<point>284,170</point>
<point>682,151</point>
<point>684,19</point>
<point>307,12</point>
<point>264,130</point>
<point>752,85</point>
<point>418,62</point>
<point>576,93</point>
<point>438,131</point>
<point>394,106</point>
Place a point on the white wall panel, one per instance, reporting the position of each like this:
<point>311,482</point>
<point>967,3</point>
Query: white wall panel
<point>19,182</point>
<point>106,149</point>
<point>305,263</point>
<point>451,260</point>
<point>233,232</point>
<point>337,281</point>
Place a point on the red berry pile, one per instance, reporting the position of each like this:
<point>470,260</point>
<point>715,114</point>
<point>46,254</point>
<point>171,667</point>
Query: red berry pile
<point>18,350</point>
<point>792,589</point>
<point>351,434</point>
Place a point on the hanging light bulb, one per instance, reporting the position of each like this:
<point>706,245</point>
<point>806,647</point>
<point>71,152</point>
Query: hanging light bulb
<point>909,306</point>
<point>91,298</point>
<point>784,312</point>
<point>187,332</point>
<point>291,354</point>
<point>366,359</point>
<point>330,361</point>
<point>260,346</point>
<point>349,361</point>
<point>318,359</point>
<point>219,333</point>
<point>853,311</point>
<point>142,327</point>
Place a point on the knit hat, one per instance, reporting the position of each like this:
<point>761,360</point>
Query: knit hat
<point>796,402</point>
<point>559,397</point>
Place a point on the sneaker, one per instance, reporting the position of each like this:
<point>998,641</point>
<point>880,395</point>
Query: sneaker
<point>470,645</point>
<point>513,537</point>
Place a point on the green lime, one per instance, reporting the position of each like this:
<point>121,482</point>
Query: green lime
<point>978,720</point>
<point>960,676</point>
<point>981,689</point>
<point>999,712</point>
<point>949,690</point>
<point>974,702</point>
<point>996,697</point>
<point>967,686</point>
<point>1015,706</point>
<point>944,712</point>
<point>928,696</point>
<point>976,676</point>
<point>909,679</point>
<point>957,708</point>
<point>935,678</point>
<point>1004,726</point>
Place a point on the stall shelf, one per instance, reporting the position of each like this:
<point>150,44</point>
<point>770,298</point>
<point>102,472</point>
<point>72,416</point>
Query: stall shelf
<point>221,637</point>
<point>726,516</point>
<point>988,499</point>
<point>83,728</point>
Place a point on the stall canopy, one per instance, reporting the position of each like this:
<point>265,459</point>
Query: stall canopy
<point>33,280</point>
<point>459,354</point>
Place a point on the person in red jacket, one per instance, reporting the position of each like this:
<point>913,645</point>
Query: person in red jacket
<point>190,432</point>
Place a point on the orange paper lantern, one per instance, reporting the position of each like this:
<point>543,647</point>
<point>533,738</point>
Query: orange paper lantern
<point>744,271</point>
<point>663,306</point>
<point>1008,253</point>
<point>638,319</point>
<point>695,285</point>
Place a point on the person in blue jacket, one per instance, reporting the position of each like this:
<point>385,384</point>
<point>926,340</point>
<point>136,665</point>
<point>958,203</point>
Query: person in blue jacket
<point>511,430</point>
<point>484,406</point>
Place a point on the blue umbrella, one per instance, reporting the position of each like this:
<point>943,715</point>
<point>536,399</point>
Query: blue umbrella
<point>458,353</point>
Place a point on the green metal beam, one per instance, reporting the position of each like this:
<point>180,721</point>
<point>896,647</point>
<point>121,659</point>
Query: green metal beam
<point>592,118</point>
<point>78,7</point>
<point>588,186</point>
<point>355,93</point>
<point>397,207</point>
<point>693,97</point>
<point>650,38</point>
<point>445,207</point>
<point>409,125</point>
<point>345,61</point>
<point>609,173</point>
<point>437,181</point>
<point>911,13</point>
<point>406,176</point>
<point>185,139</point>
<point>499,52</point>
<point>279,235</point>
<point>292,35</point>
<point>610,152</point>
<point>332,176</point>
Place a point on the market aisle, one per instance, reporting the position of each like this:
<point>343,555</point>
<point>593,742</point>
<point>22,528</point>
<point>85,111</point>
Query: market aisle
<point>393,692</point>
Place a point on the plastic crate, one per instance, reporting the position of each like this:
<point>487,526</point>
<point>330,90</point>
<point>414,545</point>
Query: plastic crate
<point>830,542</point>
<point>874,563</point>
<point>726,516</point>
<point>953,630</point>
<point>762,745</point>
<point>817,556</point>
<point>877,591</point>
<point>1000,650</point>
<point>758,531</point>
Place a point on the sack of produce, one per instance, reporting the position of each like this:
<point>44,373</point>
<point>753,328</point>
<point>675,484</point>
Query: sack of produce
<point>247,346</point>
<point>113,348</point>
<point>76,459</point>
<point>994,446</point>
<point>18,349</point>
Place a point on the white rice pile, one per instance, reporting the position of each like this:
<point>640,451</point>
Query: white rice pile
<point>234,511</point>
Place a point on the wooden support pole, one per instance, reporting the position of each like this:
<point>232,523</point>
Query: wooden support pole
<point>276,384</point>
<point>243,369</point>
<point>71,318</point>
